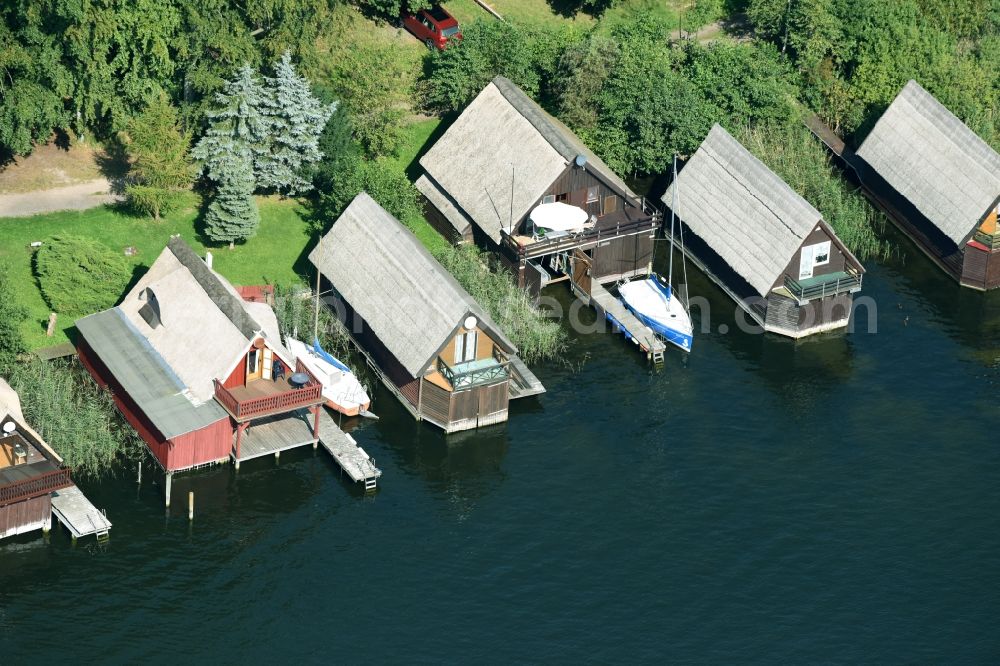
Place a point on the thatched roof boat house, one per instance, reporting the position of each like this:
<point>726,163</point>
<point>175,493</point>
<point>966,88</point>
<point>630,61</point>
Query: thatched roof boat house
<point>503,157</point>
<point>191,366</point>
<point>941,183</point>
<point>765,245</point>
<point>433,345</point>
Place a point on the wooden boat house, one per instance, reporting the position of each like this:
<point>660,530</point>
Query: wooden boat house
<point>192,366</point>
<point>939,182</point>
<point>432,344</point>
<point>761,242</point>
<point>30,472</point>
<point>503,157</point>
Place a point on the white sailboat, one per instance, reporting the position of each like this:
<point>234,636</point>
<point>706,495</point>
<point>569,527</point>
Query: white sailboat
<point>654,301</point>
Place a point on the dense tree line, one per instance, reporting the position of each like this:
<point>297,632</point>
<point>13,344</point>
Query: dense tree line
<point>92,65</point>
<point>855,55</point>
<point>637,97</point>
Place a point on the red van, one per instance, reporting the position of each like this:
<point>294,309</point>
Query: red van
<point>434,27</point>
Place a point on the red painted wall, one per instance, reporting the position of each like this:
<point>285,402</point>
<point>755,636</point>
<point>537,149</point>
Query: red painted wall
<point>209,444</point>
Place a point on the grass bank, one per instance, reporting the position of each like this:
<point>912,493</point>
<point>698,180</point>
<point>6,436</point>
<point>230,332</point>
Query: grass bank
<point>273,255</point>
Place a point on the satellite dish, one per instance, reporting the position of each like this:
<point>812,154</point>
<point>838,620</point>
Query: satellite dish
<point>9,427</point>
<point>470,323</point>
<point>580,160</point>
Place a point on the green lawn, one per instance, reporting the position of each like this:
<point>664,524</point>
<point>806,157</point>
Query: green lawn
<point>273,255</point>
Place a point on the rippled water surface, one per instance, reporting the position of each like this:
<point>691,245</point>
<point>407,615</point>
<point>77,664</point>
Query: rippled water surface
<point>762,500</point>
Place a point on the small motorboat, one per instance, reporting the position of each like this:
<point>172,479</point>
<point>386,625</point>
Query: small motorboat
<point>341,389</point>
<point>651,299</point>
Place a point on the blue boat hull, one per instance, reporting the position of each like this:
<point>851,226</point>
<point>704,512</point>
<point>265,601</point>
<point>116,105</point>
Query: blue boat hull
<point>680,339</point>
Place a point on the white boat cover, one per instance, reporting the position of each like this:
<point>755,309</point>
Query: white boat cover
<point>341,388</point>
<point>559,216</point>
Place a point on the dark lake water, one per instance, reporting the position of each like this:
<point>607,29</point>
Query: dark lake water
<point>761,500</point>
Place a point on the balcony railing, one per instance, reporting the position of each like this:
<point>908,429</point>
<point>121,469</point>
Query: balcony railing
<point>824,285</point>
<point>465,375</point>
<point>276,403</point>
<point>565,241</point>
<point>35,486</point>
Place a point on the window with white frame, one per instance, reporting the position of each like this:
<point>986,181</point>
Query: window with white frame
<point>549,198</point>
<point>593,193</point>
<point>812,256</point>
<point>465,347</point>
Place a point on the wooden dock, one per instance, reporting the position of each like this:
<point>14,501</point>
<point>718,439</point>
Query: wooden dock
<point>71,508</point>
<point>273,435</point>
<point>623,320</point>
<point>352,458</point>
<point>523,382</point>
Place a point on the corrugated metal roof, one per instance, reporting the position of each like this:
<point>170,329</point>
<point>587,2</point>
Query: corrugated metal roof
<point>746,213</point>
<point>502,147</point>
<point>390,279</point>
<point>145,375</point>
<point>935,161</point>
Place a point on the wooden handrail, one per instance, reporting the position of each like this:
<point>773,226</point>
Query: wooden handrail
<point>35,486</point>
<point>309,394</point>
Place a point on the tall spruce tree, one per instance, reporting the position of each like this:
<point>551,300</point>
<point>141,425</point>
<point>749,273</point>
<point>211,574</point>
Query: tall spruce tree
<point>233,214</point>
<point>161,166</point>
<point>296,120</point>
<point>237,136</point>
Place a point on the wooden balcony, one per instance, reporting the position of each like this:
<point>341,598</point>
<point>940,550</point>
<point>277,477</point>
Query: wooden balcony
<point>474,373</point>
<point>625,222</point>
<point>33,486</point>
<point>267,398</point>
<point>824,285</point>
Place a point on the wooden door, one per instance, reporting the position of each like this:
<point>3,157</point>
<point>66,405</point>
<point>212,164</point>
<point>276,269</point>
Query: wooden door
<point>254,365</point>
<point>581,270</point>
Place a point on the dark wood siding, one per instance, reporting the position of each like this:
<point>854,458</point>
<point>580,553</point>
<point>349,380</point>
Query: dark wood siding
<point>993,271</point>
<point>393,370</point>
<point>467,408</point>
<point>574,182</point>
<point>974,267</point>
<point>786,313</point>
<point>20,516</point>
<point>837,263</point>
<point>624,256</point>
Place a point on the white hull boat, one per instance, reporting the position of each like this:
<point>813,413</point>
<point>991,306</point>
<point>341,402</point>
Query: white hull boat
<point>341,389</point>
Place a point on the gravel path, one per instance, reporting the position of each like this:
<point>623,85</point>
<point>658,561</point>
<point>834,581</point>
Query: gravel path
<point>72,197</point>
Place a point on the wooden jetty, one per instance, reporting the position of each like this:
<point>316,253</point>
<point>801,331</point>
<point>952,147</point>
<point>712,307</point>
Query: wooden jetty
<point>81,518</point>
<point>352,458</point>
<point>273,435</point>
<point>623,320</point>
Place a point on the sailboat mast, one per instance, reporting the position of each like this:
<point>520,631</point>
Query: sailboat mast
<point>673,207</point>
<point>316,309</point>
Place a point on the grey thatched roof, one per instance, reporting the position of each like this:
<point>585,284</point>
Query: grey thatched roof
<point>440,199</point>
<point>747,214</point>
<point>407,299</point>
<point>145,375</point>
<point>934,160</point>
<point>504,144</point>
<point>10,402</point>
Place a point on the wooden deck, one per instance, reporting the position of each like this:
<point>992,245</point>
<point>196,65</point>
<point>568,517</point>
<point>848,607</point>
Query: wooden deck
<point>71,507</point>
<point>352,458</point>
<point>275,434</point>
<point>626,322</point>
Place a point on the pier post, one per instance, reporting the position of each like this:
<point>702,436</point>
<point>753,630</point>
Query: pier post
<point>139,481</point>
<point>170,478</point>
<point>47,525</point>
<point>190,505</point>
<point>277,454</point>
